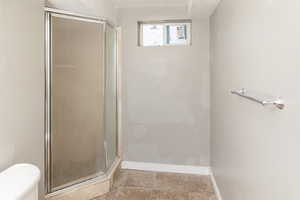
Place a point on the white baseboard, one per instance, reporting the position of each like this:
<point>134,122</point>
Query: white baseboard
<point>156,167</point>
<point>215,185</point>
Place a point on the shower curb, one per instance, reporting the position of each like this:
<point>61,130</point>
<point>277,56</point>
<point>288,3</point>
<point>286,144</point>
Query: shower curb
<point>88,189</point>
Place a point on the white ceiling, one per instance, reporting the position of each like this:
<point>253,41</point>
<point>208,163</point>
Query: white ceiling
<point>194,7</point>
<point>202,8</point>
<point>149,3</point>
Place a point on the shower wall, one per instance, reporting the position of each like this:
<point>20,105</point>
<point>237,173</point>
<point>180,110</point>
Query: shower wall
<point>255,150</point>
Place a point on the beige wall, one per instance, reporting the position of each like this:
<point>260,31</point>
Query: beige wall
<point>165,93</point>
<point>21,83</point>
<point>255,150</point>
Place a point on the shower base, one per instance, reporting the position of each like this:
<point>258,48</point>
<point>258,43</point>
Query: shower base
<point>89,189</point>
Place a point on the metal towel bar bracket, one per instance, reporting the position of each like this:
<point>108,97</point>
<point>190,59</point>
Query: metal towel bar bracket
<point>278,102</point>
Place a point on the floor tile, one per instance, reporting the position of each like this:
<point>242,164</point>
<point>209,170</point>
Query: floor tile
<point>120,178</point>
<point>100,198</point>
<point>141,185</point>
<point>140,179</point>
<point>126,193</point>
<point>201,196</point>
<point>170,181</point>
<point>194,183</point>
<point>168,195</point>
<point>109,196</point>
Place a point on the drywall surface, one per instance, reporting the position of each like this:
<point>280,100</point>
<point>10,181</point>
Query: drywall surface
<point>165,93</point>
<point>255,149</point>
<point>22,83</point>
<point>99,8</point>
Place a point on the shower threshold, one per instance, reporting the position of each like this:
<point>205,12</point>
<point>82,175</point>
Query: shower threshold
<point>87,189</point>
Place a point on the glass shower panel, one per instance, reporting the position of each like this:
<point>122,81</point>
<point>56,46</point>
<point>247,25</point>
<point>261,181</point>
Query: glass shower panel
<point>111,95</point>
<point>77,101</point>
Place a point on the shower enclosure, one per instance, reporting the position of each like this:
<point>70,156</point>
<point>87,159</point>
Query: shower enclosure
<point>81,99</point>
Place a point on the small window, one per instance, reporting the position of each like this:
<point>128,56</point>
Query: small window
<point>165,33</point>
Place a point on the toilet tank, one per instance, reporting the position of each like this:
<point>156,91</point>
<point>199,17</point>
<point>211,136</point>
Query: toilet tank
<point>19,182</point>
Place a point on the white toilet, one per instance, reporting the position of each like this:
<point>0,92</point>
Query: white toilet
<point>19,182</point>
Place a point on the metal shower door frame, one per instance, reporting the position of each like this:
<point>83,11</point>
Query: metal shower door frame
<point>49,13</point>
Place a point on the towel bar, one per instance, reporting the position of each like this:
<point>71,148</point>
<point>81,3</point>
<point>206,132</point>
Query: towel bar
<point>278,102</point>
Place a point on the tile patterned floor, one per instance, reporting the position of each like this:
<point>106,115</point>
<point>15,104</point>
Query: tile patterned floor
<point>141,185</point>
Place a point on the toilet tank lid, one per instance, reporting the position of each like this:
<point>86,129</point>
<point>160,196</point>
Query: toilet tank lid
<point>17,181</point>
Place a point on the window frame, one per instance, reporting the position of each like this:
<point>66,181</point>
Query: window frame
<point>165,23</point>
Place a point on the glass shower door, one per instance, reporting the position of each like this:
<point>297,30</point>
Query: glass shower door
<point>77,101</point>
<point>111,126</point>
